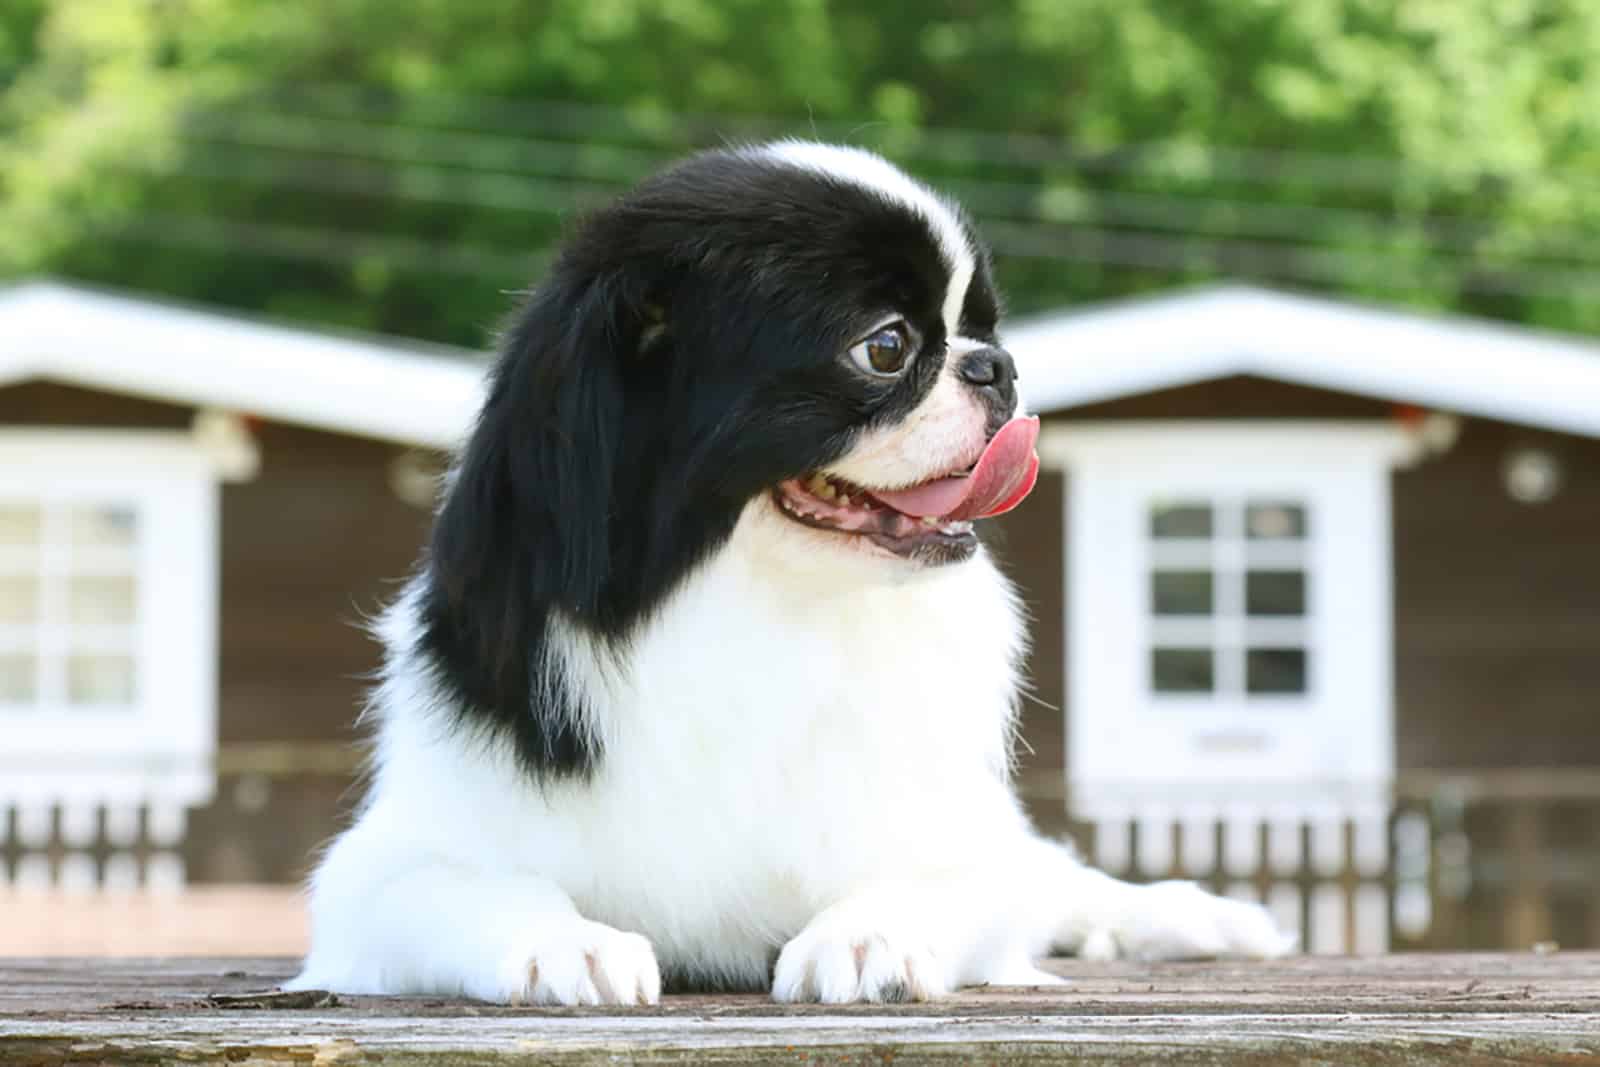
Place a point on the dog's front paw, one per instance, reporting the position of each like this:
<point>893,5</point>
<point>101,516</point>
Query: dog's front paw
<point>1181,921</point>
<point>835,963</point>
<point>580,962</point>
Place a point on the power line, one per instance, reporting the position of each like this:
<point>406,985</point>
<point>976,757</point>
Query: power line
<point>511,192</point>
<point>476,189</point>
<point>1171,161</point>
<point>342,136</point>
<point>231,236</point>
<point>1285,263</point>
<point>934,143</point>
<point>1086,246</point>
<point>607,169</point>
<point>1202,216</point>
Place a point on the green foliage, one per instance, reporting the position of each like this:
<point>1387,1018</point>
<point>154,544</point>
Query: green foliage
<point>19,34</point>
<point>400,166</point>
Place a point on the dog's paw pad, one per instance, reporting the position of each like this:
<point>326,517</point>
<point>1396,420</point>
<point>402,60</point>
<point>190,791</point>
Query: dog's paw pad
<point>589,964</point>
<point>844,969</point>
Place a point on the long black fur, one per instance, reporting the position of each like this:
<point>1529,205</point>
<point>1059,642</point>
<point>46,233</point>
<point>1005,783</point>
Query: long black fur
<point>685,353</point>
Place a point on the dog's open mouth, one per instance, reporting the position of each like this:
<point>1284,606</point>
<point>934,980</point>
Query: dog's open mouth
<point>931,519</point>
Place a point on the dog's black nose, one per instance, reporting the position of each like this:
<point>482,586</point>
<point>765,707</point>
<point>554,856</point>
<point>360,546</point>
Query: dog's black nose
<point>994,372</point>
<point>989,367</point>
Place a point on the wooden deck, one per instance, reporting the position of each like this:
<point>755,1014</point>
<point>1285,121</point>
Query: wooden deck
<point>1457,1009</point>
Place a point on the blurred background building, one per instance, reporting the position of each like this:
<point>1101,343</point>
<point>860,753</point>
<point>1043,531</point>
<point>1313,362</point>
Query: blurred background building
<point>1303,291</point>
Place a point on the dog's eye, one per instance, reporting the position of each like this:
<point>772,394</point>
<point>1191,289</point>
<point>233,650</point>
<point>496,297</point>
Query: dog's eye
<point>884,354</point>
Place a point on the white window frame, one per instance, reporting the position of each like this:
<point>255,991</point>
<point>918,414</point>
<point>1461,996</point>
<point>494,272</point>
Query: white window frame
<point>1129,748</point>
<point>163,745</point>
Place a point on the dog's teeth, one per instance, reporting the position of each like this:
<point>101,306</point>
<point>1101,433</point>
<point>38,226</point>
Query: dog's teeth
<point>844,499</point>
<point>929,520</point>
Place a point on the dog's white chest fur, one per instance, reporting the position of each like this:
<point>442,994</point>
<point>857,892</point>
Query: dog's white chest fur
<point>769,745</point>
<point>837,737</point>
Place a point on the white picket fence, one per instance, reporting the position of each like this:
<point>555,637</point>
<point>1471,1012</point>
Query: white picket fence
<point>1346,882</point>
<point>86,846</point>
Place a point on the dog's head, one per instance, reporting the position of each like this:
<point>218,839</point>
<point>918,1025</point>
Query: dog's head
<point>794,341</point>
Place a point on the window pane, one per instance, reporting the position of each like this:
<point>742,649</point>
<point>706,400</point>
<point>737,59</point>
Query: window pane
<point>100,599</point>
<point>1275,592</point>
<point>99,678</point>
<point>1182,670</point>
<point>1180,592</point>
<point>18,678</point>
<point>19,598</point>
<point>1264,521</point>
<point>1275,670</point>
<point>19,524</point>
<point>1180,520</point>
<point>107,526</point>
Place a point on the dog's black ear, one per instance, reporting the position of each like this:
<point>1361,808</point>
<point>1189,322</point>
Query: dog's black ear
<point>524,536</point>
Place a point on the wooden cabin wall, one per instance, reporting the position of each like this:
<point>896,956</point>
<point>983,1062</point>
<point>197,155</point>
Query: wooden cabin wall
<point>1497,608</point>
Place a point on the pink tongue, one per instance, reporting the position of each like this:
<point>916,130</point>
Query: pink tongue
<point>1005,473</point>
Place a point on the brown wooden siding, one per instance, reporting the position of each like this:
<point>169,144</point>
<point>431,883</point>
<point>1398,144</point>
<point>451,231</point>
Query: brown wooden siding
<point>1027,543</point>
<point>1240,397</point>
<point>34,404</point>
<point>1497,608</point>
<point>313,545</point>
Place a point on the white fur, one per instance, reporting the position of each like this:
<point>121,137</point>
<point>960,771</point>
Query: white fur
<point>869,171</point>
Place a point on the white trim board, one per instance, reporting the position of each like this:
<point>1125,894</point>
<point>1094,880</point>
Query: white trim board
<point>1456,364</point>
<point>367,387</point>
<point>1308,442</point>
<point>113,451</point>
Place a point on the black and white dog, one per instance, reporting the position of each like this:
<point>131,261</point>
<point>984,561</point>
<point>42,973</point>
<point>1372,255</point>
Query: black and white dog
<point>705,675</point>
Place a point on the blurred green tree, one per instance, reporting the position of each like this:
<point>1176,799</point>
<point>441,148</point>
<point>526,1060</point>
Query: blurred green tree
<point>400,166</point>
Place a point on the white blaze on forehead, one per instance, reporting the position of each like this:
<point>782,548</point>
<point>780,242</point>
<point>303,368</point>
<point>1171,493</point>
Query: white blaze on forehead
<point>874,173</point>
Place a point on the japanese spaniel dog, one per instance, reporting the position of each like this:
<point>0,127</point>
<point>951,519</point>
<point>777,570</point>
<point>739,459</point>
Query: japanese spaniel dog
<point>706,678</point>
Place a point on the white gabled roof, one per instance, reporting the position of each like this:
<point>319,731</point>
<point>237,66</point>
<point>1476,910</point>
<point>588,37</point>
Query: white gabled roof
<point>1463,365</point>
<point>371,387</point>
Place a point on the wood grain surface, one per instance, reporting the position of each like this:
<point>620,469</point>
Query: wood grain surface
<point>1459,1009</point>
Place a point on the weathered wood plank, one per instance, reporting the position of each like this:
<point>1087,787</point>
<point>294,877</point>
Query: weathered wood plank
<point>1403,1009</point>
<point>1344,1039</point>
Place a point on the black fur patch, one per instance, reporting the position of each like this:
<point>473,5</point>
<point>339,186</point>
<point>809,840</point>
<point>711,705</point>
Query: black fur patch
<point>676,980</point>
<point>685,354</point>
